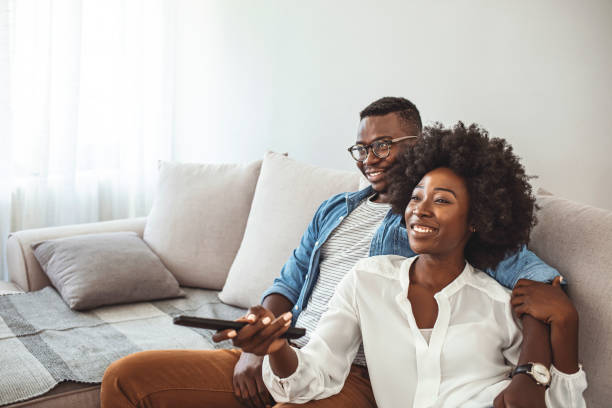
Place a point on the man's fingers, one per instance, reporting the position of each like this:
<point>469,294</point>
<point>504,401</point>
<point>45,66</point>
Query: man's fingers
<point>523,282</point>
<point>521,309</point>
<point>253,393</point>
<point>262,390</point>
<point>238,392</point>
<point>517,300</point>
<point>557,281</point>
<point>244,396</point>
<point>522,290</point>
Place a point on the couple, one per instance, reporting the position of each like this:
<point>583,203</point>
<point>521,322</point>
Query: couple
<point>434,330</point>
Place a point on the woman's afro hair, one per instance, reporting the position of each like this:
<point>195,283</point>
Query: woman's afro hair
<point>501,200</point>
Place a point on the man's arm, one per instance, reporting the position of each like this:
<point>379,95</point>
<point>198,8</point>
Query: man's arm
<point>293,274</point>
<point>524,264</point>
<point>279,298</point>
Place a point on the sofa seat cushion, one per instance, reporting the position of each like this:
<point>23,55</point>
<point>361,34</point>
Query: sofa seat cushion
<point>65,395</point>
<point>287,195</point>
<point>577,240</point>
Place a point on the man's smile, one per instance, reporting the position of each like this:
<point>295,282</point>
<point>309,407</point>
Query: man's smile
<point>374,174</point>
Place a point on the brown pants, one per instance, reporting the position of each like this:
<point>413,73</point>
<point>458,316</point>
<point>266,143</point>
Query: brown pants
<point>194,378</point>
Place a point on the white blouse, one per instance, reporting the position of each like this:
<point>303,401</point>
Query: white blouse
<point>474,343</point>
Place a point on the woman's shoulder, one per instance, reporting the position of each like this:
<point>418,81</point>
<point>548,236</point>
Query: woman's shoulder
<point>484,282</point>
<point>387,266</point>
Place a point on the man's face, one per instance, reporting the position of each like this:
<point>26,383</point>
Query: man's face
<point>378,128</point>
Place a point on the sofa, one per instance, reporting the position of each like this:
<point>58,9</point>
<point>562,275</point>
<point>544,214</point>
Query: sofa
<point>224,231</point>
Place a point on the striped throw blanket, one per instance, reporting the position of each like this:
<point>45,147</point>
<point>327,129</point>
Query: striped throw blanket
<point>43,342</point>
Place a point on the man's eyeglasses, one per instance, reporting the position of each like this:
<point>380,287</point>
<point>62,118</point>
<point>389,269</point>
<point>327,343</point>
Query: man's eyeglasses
<point>380,148</point>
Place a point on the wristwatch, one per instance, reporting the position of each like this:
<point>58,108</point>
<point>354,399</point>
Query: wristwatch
<point>539,372</point>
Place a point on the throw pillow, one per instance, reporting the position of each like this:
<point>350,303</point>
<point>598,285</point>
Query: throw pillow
<point>287,195</point>
<point>198,219</point>
<point>105,269</point>
<point>577,240</point>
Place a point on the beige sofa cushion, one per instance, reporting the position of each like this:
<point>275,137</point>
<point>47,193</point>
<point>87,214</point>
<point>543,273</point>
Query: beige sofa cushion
<point>577,240</point>
<point>198,219</point>
<point>287,195</point>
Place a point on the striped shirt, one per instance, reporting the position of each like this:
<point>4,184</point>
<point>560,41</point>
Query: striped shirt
<point>346,245</point>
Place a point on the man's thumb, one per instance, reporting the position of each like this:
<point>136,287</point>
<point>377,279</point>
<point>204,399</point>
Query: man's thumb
<point>557,281</point>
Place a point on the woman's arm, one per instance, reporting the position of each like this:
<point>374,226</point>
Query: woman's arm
<point>320,368</point>
<point>324,363</point>
<point>550,305</point>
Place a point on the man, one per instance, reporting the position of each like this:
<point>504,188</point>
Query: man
<point>345,228</point>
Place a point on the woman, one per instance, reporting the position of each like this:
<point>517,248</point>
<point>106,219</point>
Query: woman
<point>436,330</point>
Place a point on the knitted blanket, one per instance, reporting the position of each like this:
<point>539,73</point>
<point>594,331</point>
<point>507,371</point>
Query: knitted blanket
<point>43,342</point>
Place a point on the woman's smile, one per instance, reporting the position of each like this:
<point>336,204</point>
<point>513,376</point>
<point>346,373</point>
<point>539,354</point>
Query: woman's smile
<point>422,230</point>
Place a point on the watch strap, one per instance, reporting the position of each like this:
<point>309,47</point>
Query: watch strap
<point>526,369</point>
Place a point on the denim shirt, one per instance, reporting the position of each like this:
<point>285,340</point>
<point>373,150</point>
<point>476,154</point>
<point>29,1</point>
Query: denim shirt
<point>300,273</point>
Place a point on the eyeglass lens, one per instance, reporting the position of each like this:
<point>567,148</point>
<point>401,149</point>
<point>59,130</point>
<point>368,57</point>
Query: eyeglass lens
<point>380,150</point>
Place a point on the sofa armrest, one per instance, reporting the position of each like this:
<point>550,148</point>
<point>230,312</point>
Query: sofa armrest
<point>23,268</point>
<point>9,288</point>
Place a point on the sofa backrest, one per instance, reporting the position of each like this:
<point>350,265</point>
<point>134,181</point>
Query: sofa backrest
<point>577,240</point>
<point>287,195</point>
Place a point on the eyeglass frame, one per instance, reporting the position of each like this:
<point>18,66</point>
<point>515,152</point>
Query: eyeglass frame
<point>370,148</point>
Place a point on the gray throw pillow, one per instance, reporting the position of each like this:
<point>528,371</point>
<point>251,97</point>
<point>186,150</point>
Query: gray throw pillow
<point>105,269</point>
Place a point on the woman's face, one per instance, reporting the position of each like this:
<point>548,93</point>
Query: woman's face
<point>437,214</point>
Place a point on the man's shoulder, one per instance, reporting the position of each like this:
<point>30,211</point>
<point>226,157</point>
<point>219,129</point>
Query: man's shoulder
<point>341,199</point>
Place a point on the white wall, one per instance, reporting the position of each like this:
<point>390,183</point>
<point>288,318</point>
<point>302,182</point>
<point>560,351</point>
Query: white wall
<point>292,76</point>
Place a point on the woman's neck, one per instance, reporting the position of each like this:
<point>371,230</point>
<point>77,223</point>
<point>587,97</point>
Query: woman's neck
<point>434,272</point>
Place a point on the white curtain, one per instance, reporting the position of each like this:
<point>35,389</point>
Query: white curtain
<point>88,111</point>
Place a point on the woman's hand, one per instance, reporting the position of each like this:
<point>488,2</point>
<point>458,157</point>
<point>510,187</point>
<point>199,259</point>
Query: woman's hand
<point>547,303</point>
<point>261,335</point>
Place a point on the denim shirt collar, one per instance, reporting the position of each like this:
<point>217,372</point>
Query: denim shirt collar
<point>353,199</point>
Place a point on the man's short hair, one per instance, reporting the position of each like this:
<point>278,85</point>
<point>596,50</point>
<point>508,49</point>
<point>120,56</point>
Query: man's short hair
<point>406,110</point>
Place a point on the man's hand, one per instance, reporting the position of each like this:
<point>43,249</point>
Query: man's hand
<point>249,387</point>
<point>547,303</point>
<point>523,392</point>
